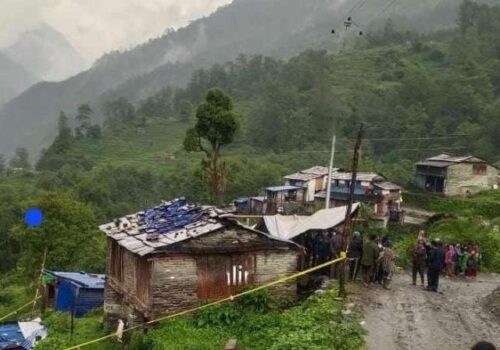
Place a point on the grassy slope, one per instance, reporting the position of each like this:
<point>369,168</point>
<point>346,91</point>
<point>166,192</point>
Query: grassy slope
<point>127,146</point>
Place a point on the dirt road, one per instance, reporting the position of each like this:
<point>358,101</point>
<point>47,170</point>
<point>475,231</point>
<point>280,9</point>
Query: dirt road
<point>409,318</point>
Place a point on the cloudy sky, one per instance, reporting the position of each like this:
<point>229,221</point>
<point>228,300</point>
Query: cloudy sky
<point>98,26</point>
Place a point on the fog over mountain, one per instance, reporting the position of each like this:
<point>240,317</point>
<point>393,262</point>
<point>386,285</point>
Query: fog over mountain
<point>13,78</point>
<point>46,54</point>
<point>279,28</point>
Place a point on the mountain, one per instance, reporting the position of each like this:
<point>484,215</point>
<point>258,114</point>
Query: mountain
<point>13,79</point>
<point>279,28</point>
<point>46,53</point>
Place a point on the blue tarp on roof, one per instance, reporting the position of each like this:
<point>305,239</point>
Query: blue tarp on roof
<point>93,281</point>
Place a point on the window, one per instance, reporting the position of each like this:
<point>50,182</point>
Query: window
<point>237,276</point>
<point>479,169</point>
<point>116,261</point>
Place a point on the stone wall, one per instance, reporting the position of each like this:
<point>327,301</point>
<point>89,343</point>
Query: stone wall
<point>461,180</point>
<point>274,265</point>
<point>174,284</point>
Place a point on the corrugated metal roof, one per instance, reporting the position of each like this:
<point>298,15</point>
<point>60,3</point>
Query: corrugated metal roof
<point>318,170</point>
<point>361,176</point>
<point>389,186</point>
<point>435,164</point>
<point>148,231</point>
<point>449,158</point>
<point>302,177</point>
<point>93,281</point>
<point>309,174</point>
<point>283,188</point>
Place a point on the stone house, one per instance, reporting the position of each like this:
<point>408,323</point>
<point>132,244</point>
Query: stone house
<point>456,175</point>
<point>178,255</point>
<point>313,180</point>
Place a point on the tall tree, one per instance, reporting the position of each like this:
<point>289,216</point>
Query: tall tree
<point>21,159</point>
<point>83,118</point>
<point>216,126</point>
<point>65,136</point>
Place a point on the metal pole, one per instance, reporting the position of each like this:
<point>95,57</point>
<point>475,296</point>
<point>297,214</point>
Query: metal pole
<point>330,170</point>
<point>347,221</point>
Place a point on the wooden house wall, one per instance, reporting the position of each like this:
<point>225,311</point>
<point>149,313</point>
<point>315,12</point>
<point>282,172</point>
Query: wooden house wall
<point>176,279</point>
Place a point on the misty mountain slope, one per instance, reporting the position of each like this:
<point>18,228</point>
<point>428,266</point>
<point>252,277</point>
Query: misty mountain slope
<point>13,79</point>
<point>278,28</point>
<point>46,53</point>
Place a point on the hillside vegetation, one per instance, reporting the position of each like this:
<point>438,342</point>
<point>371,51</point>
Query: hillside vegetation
<point>279,28</point>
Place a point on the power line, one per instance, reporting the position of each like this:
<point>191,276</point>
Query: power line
<point>384,10</point>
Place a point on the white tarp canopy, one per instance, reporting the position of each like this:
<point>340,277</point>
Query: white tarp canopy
<point>290,226</point>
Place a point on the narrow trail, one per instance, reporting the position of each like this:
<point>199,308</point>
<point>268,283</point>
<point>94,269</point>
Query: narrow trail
<point>410,318</point>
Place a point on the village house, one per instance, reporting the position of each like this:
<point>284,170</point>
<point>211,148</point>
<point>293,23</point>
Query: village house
<point>313,180</point>
<point>178,255</point>
<point>372,189</point>
<point>456,175</point>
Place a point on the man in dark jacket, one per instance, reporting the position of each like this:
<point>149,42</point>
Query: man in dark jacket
<point>370,256</point>
<point>436,261</point>
<point>419,257</point>
<point>354,254</point>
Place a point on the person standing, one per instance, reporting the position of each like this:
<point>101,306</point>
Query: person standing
<point>419,257</point>
<point>472,264</point>
<point>449,260</point>
<point>354,253</point>
<point>436,260</point>
<point>370,256</point>
<point>387,264</point>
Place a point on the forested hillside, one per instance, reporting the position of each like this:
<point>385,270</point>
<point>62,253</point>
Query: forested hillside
<point>278,28</point>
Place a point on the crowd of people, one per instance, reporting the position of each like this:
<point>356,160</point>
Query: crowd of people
<point>437,257</point>
<point>375,258</point>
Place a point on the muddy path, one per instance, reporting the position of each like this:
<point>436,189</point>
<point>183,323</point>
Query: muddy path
<point>409,318</point>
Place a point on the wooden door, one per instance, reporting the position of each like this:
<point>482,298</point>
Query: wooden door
<point>220,276</point>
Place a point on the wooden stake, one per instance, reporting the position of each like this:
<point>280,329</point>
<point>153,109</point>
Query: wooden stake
<point>40,278</point>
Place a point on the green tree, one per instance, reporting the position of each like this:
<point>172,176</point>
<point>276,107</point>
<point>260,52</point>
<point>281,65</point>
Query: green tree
<point>83,118</point>
<point>68,233</point>
<point>119,111</point>
<point>21,159</point>
<point>64,137</point>
<point>216,126</point>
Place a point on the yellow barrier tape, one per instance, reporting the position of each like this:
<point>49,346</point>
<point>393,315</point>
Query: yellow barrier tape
<point>19,309</point>
<point>343,256</point>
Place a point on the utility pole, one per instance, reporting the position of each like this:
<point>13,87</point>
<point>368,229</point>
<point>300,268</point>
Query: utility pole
<point>39,282</point>
<point>330,170</point>
<point>347,222</point>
